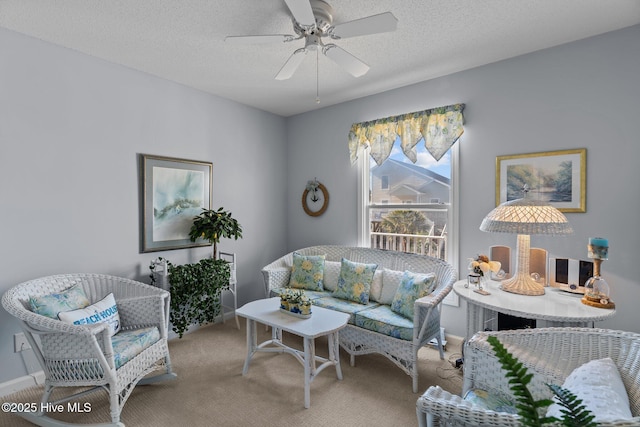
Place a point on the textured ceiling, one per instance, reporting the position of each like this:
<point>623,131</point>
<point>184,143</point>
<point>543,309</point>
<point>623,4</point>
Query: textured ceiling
<point>183,40</point>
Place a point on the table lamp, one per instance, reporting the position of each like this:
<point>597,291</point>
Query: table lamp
<point>525,217</point>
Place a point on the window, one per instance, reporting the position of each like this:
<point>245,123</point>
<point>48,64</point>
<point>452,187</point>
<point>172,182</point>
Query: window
<point>384,182</point>
<point>417,214</point>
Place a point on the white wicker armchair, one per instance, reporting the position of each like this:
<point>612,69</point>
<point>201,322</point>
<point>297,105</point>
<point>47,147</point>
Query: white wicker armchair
<point>359,341</point>
<point>551,354</point>
<point>82,355</point>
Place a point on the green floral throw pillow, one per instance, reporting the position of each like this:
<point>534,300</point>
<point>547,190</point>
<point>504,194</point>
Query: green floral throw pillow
<point>354,283</point>
<point>307,272</point>
<point>412,287</point>
<point>72,298</point>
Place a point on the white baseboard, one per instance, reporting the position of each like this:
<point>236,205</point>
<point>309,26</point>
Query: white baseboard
<point>18,384</point>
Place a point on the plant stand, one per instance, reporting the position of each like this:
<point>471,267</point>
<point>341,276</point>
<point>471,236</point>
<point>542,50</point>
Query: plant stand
<point>233,282</point>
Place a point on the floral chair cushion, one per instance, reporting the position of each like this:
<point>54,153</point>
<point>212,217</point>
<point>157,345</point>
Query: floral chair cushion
<point>412,287</point>
<point>307,272</point>
<point>354,283</point>
<point>50,305</point>
<point>490,400</point>
<point>128,344</point>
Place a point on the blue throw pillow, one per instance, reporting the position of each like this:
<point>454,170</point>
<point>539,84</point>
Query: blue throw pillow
<point>50,305</point>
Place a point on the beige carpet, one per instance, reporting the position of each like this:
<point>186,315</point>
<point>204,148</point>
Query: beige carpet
<point>211,391</point>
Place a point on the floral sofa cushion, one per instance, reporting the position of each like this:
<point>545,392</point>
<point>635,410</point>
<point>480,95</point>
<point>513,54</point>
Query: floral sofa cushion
<point>128,344</point>
<point>343,306</point>
<point>307,272</point>
<point>354,283</point>
<point>382,320</point>
<point>412,287</point>
<point>332,274</point>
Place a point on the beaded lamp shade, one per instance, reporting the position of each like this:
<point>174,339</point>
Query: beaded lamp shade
<point>525,217</point>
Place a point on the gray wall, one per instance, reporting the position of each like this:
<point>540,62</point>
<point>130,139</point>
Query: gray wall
<point>70,130</point>
<point>584,94</point>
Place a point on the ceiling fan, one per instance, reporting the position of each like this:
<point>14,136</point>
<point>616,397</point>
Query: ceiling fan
<point>313,20</point>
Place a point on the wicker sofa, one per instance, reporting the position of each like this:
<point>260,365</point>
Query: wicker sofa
<point>357,338</point>
<point>550,354</point>
<point>86,355</point>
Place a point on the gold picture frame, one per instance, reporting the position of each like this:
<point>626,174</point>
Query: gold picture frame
<point>557,177</point>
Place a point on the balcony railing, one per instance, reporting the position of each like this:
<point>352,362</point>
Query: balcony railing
<point>435,246</point>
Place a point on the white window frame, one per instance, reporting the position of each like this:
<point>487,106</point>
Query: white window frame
<point>453,234</point>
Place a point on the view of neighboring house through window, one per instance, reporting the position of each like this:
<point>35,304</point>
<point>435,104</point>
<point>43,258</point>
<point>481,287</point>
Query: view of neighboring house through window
<point>409,205</point>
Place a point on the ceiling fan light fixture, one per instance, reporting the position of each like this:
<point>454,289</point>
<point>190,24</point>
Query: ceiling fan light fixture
<point>313,20</point>
<point>313,42</point>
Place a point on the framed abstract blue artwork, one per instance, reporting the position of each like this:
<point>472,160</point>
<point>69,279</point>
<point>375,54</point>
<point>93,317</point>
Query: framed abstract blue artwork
<point>174,191</point>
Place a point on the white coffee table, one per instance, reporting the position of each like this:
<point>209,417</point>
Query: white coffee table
<point>322,322</point>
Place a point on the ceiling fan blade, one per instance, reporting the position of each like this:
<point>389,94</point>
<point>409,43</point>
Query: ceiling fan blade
<point>344,59</point>
<point>301,11</point>
<point>271,38</point>
<point>291,65</point>
<point>374,24</point>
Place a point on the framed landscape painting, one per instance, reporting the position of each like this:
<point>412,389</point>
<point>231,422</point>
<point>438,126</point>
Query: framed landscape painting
<point>556,177</point>
<point>174,192</point>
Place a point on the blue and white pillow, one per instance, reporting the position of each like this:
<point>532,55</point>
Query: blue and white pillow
<point>412,287</point>
<point>354,283</point>
<point>50,305</point>
<point>307,272</point>
<point>104,311</point>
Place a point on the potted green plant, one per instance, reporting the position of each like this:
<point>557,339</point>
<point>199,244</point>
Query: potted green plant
<point>213,225</point>
<point>196,288</point>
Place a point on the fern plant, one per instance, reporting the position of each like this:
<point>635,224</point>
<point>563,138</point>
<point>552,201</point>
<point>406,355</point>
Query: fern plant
<point>574,413</point>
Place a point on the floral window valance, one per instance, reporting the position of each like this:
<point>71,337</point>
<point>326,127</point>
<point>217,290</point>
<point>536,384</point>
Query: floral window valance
<point>440,127</point>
